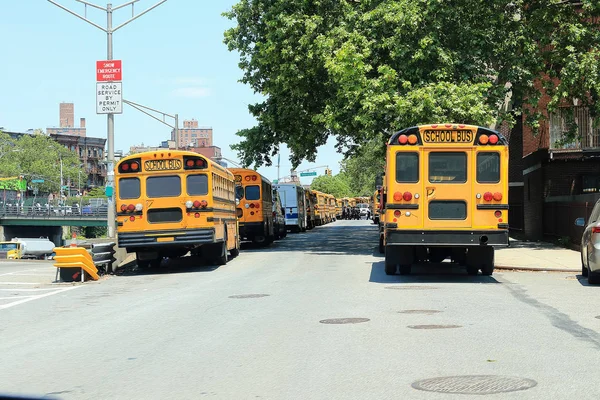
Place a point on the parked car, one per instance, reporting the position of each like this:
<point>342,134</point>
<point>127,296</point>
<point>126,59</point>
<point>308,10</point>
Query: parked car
<point>590,245</point>
<point>278,217</point>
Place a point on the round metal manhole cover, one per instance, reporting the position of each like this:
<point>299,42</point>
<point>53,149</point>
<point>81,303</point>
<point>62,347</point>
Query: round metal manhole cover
<point>434,326</point>
<point>410,287</point>
<point>474,384</point>
<point>248,296</point>
<point>341,321</point>
<point>426,312</point>
<point>598,316</point>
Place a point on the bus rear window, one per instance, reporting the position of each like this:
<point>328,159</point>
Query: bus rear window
<point>197,185</point>
<point>488,167</point>
<point>447,167</point>
<point>129,188</point>
<point>239,192</point>
<point>407,167</point>
<point>163,186</point>
<point>253,192</point>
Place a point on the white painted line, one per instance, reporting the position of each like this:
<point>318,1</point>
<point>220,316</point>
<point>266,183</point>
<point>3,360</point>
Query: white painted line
<point>14,297</point>
<point>20,274</point>
<point>16,303</point>
<point>26,290</point>
<point>24,270</point>
<point>19,283</point>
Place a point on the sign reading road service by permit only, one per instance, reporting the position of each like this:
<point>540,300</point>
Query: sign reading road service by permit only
<point>109,98</point>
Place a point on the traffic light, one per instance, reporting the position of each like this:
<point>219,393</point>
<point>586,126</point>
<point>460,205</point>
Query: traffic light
<point>327,171</point>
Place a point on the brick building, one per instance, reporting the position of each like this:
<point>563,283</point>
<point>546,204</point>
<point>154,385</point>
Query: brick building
<point>67,122</point>
<point>193,135</point>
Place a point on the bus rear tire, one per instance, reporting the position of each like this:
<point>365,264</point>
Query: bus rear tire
<point>381,246</point>
<point>220,253</point>
<point>405,269</point>
<point>234,252</point>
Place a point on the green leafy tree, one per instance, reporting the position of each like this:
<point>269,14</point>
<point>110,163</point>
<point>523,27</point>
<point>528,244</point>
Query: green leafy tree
<point>8,164</point>
<point>336,185</point>
<point>353,69</point>
<point>362,167</point>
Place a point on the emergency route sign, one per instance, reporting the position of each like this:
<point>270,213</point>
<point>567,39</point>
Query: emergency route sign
<point>109,71</point>
<point>109,98</point>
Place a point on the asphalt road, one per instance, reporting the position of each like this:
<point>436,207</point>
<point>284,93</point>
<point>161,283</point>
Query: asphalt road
<point>189,331</point>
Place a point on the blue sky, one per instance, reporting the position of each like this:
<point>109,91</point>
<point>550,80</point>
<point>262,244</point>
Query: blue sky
<point>173,57</point>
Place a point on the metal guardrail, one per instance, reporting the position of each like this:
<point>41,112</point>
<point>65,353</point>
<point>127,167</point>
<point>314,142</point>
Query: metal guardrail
<point>53,212</point>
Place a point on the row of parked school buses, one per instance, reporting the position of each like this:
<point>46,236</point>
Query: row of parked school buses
<point>171,203</point>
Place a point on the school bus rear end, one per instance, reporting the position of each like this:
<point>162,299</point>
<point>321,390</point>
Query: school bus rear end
<point>173,202</point>
<point>447,196</point>
<point>254,198</point>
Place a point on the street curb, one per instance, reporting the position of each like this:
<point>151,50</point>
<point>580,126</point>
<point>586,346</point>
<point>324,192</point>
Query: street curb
<point>537,269</point>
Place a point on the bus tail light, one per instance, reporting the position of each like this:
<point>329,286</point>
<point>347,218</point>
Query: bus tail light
<point>403,139</point>
<point>487,196</point>
<point>196,204</point>
<point>257,205</point>
<point>397,213</point>
<point>412,139</point>
<point>132,218</point>
<point>131,208</point>
<point>194,162</point>
<point>123,207</point>
<point>251,205</point>
<point>497,196</point>
<point>483,139</point>
<point>397,196</point>
<point>197,215</point>
<point>130,166</point>
<point>493,139</point>
<point>247,178</point>
<point>203,204</point>
<point>498,214</point>
<point>407,196</point>
<point>253,177</point>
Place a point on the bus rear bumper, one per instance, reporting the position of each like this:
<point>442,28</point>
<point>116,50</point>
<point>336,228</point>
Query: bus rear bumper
<point>180,238</point>
<point>251,229</point>
<point>498,238</point>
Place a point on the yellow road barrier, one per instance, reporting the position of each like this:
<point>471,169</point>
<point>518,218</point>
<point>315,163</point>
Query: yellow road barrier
<point>75,257</point>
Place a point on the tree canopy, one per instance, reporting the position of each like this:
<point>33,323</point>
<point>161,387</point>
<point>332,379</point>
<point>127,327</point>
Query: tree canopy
<point>38,157</point>
<point>354,69</point>
<point>337,185</point>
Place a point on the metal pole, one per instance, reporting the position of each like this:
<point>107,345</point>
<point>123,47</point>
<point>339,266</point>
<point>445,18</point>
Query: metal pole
<point>176,131</point>
<point>61,178</point>
<point>110,137</point>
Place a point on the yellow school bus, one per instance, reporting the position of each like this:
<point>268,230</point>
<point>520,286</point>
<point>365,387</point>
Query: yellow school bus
<point>321,208</point>
<point>254,199</point>
<point>375,206</point>
<point>330,200</point>
<point>172,202</point>
<point>311,212</point>
<point>338,208</point>
<point>447,197</point>
<point>381,207</point>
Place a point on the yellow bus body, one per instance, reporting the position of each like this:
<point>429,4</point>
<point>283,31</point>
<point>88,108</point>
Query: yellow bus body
<point>447,196</point>
<point>254,198</point>
<point>170,202</point>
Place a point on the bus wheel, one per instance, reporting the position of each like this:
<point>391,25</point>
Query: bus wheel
<point>234,252</point>
<point>381,246</point>
<point>487,268</point>
<point>220,252</point>
<point>472,270</point>
<point>405,269</point>
<point>391,262</point>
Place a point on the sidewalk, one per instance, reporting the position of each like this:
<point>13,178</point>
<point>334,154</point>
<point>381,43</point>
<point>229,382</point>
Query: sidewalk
<point>537,256</point>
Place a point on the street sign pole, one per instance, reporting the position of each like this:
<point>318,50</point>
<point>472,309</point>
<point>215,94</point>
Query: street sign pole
<point>110,134</point>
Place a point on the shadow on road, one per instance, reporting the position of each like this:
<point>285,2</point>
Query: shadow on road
<point>330,239</point>
<point>434,273</point>
<point>181,265</point>
<point>583,281</point>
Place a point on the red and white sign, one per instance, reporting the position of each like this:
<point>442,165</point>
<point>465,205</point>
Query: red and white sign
<point>108,70</point>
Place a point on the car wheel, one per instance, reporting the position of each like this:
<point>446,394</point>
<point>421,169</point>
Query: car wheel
<point>593,278</point>
<point>584,270</point>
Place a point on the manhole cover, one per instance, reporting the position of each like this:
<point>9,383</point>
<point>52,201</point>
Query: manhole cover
<point>419,311</point>
<point>434,326</point>
<point>410,287</point>
<point>598,316</point>
<point>340,321</point>
<point>474,384</point>
<point>247,296</point>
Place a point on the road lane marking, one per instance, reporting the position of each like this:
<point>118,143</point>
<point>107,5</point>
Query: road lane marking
<point>31,298</point>
<point>24,270</point>
<point>19,283</point>
<point>14,297</point>
<point>25,290</point>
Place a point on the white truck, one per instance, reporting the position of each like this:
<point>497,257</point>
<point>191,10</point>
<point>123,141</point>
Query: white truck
<point>26,248</point>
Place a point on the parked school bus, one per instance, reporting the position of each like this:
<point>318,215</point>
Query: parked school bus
<point>173,202</point>
<point>447,197</point>
<point>375,207</point>
<point>330,200</point>
<point>254,201</point>
<point>321,208</point>
<point>338,208</point>
<point>311,202</point>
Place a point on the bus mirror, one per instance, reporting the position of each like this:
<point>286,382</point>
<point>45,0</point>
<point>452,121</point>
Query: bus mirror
<point>379,179</point>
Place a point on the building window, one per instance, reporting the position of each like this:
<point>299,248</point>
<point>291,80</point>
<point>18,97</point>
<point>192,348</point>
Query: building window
<point>588,131</point>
